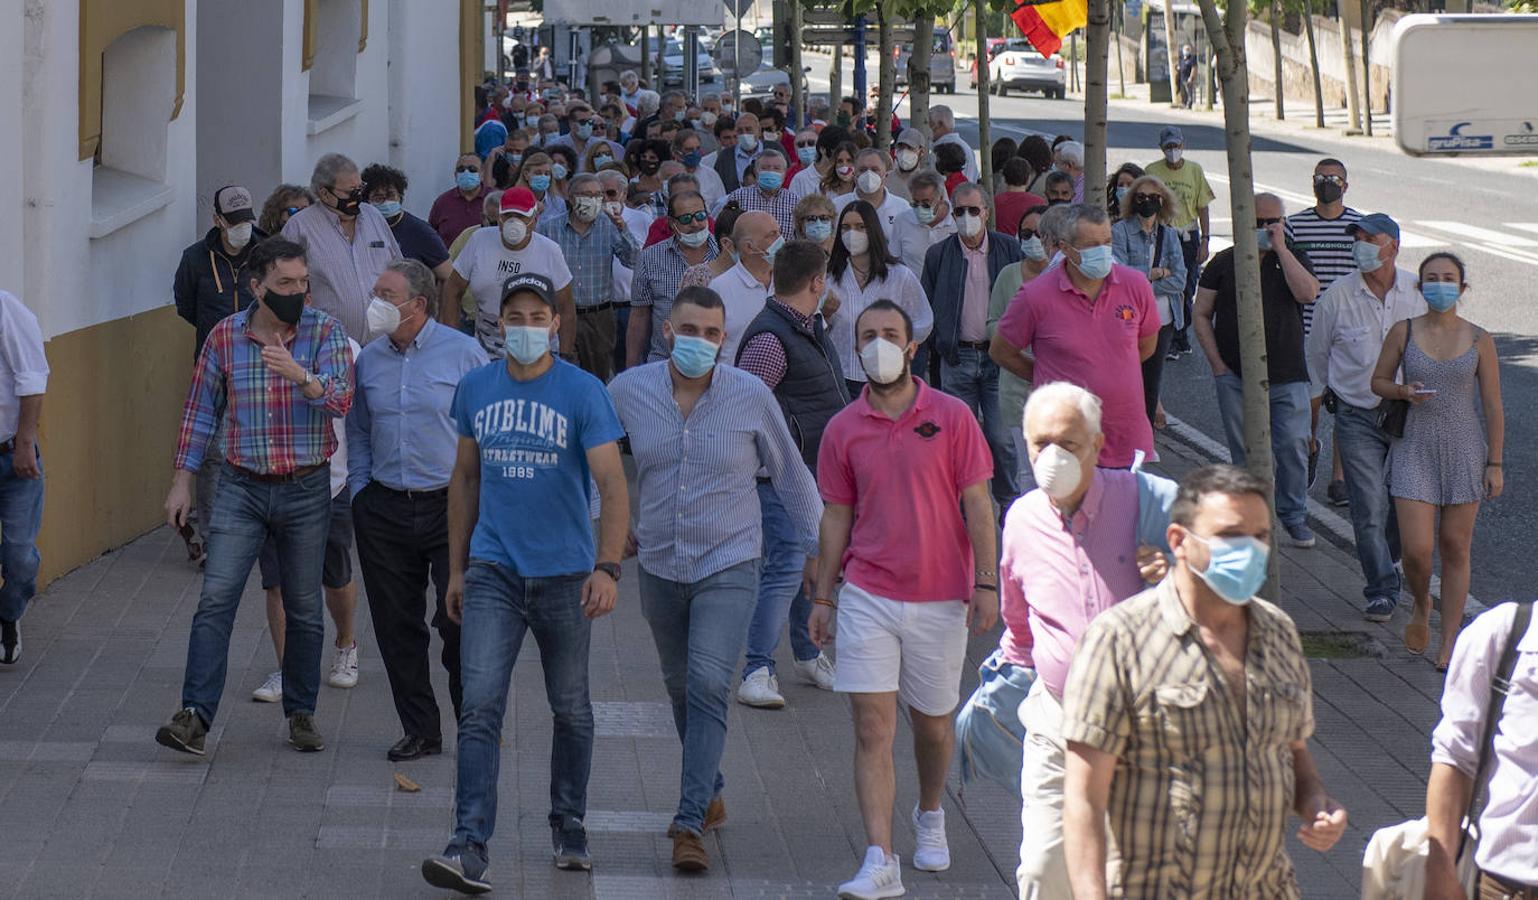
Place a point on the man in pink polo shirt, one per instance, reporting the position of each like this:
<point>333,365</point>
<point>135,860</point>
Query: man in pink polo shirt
<point>1090,322</point>
<point>897,468</point>
<point>1071,551</point>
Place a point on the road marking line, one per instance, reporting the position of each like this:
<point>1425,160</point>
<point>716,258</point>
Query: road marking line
<point>1481,234</point>
<point>1407,239</point>
<point>1523,226</point>
<point>1327,518</point>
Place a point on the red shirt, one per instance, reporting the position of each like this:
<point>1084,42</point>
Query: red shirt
<point>951,181</point>
<point>1009,206</point>
<point>452,213</point>
<point>1092,344</point>
<point>659,230</point>
<point>904,479</point>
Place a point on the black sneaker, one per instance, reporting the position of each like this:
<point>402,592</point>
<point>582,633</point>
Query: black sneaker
<point>461,869</point>
<point>184,733</point>
<point>303,734</point>
<point>1336,494</point>
<point>10,641</point>
<point>570,845</point>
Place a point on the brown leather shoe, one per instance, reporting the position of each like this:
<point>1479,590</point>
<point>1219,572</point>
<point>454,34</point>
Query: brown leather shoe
<point>688,852</point>
<point>715,814</point>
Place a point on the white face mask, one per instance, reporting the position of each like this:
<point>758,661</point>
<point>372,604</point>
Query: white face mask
<point>1057,472</point>
<point>383,316</point>
<point>514,231</point>
<point>907,160</point>
<point>969,225</point>
<point>586,208</point>
<point>882,360</point>
<point>1172,155</point>
<point>238,235</point>
<point>868,182</point>
<point>856,242</point>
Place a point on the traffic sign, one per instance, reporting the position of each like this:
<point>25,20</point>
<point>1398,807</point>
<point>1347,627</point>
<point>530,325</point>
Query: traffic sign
<point>732,43</point>
<point>739,8</point>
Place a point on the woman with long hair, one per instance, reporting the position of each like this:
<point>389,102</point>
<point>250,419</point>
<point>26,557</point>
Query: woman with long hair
<point>813,219</point>
<point>862,270</point>
<point>1144,239</point>
<point>282,203</point>
<point>1118,186</point>
<point>840,177</point>
<point>1450,456</point>
<point>1035,150</point>
<point>536,175</point>
<point>1004,149</point>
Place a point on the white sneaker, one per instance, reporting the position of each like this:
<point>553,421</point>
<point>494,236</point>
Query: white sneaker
<point>817,672</point>
<point>879,877</point>
<point>344,667</point>
<point>761,689</point>
<point>930,853</point>
<point>271,690</point>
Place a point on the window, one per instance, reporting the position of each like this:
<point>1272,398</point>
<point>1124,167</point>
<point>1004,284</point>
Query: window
<point>335,32</point>
<point>138,97</point>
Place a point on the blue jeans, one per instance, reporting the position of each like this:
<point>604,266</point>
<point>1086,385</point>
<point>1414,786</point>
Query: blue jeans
<point>699,628</point>
<point>500,606</point>
<point>21,515</point>
<point>297,514</point>
<point>1289,440</point>
<point>974,380</point>
<point>1364,456</point>
<point>779,588</point>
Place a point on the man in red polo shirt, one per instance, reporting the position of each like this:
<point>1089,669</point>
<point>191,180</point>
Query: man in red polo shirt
<point>897,469</point>
<point>1090,322</point>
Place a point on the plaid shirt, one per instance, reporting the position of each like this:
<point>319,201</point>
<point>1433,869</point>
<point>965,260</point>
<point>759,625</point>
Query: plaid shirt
<point>781,204</point>
<point>1203,786</point>
<point>764,355</point>
<point>270,427</point>
<point>658,270</point>
<point>591,256</point>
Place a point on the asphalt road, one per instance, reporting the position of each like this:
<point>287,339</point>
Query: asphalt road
<point>1486,215</point>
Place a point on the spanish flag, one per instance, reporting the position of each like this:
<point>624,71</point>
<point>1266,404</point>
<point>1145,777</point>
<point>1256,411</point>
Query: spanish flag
<point>1046,22</point>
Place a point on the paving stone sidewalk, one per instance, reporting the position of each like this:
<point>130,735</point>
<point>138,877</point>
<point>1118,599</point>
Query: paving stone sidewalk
<point>90,806</point>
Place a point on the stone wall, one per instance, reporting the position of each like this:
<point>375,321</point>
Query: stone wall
<point>1297,74</point>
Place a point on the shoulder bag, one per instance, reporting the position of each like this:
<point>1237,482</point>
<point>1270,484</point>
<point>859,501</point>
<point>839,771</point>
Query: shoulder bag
<point>1393,413</point>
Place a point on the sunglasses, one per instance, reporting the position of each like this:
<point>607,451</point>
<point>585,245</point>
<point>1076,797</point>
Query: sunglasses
<point>1329,179</point>
<point>1147,197</point>
<point>1267,223</point>
<point>687,218</point>
<point>458,169</point>
<point>1026,234</point>
<point>969,211</point>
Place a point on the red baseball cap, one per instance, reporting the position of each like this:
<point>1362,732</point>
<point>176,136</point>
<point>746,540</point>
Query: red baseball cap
<point>518,200</point>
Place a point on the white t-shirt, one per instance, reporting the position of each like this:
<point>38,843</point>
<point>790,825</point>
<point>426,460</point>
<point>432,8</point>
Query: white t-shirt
<point>486,263</point>
<point>743,298</point>
<point>807,182</point>
<point>891,207</point>
<point>339,425</point>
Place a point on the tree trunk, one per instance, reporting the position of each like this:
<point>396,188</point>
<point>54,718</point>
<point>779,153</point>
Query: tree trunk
<point>1353,100</point>
<point>1121,66</point>
<point>836,79</point>
<point>1097,35</point>
<point>886,75</point>
<point>918,72</point>
<point>797,95</point>
<point>1313,63</point>
<point>984,141</point>
<point>1367,66</point>
<point>1172,52</point>
<point>1276,56</point>
<point>1227,36</point>
<point>646,57</point>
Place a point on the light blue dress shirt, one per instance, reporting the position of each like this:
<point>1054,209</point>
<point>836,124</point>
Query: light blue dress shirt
<point>400,431</point>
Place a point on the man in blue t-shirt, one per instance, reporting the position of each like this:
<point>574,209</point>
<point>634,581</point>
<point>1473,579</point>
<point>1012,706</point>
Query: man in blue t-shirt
<point>535,432</point>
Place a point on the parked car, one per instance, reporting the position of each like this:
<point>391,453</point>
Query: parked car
<point>673,64</point>
<point>1016,65</point>
<point>942,63</point>
<point>993,45</point>
<point>763,82</point>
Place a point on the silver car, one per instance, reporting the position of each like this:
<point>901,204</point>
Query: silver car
<point>942,63</point>
<point>1016,65</point>
<point>673,64</point>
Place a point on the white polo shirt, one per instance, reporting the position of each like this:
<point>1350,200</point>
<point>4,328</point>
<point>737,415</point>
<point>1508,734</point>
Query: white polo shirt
<point>744,297</point>
<point>890,208</point>
<point>912,239</point>
<point>23,366</point>
<point>807,182</point>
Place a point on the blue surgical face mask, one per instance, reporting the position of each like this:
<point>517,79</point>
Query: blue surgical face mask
<point>558,172</point>
<point>1095,262</point>
<point>583,131</point>
<point>1366,255</point>
<point>691,159</point>
<point>468,181</point>
<point>525,343</point>
<point>771,181</point>
<point>1263,239</point>
<point>693,356</point>
<point>389,208</point>
<point>601,160</point>
<point>1121,193</point>
<point>819,230</point>
<point>539,183</point>
<point>925,214</point>
<point>1440,295</point>
<point>774,248</point>
<point>1236,568</point>
<point>1032,248</point>
<point>807,155</point>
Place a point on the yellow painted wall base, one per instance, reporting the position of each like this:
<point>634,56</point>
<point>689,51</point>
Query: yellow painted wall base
<point>109,427</point>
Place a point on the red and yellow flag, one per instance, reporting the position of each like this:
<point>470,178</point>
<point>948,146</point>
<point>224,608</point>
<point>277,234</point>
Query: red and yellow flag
<point>1046,22</point>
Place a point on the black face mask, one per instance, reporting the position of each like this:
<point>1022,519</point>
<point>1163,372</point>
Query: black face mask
<point>1058,202</point>
<point>287,307</point>
<point>1148,207</point>
<point>648,166</point>
<point>348,204</point>
<point>1328,191</point>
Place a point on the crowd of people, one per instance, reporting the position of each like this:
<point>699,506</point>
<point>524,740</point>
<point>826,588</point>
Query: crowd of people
<point>866,399</point>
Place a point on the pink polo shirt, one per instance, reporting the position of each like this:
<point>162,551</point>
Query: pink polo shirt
<point>1092,344</point>
<point>904,479</point>
<point>1056,576</point>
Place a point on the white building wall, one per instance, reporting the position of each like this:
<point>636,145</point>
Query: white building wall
<point>12,259</point>
<point>363,134</point>
<point>424,103</point>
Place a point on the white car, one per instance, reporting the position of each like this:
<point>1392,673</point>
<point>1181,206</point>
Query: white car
<point>1016,65</point>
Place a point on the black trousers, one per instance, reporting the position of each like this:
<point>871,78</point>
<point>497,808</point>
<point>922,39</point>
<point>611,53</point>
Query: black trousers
<point>403,539</point>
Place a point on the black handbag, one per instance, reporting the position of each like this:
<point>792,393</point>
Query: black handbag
<point>1393,413</point>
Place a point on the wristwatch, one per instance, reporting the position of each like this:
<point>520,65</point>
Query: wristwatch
<point>610,569</point>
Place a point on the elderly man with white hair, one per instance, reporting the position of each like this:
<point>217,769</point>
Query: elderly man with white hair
<point>1084,540</point>
<point>1069,159</point>
<point>942,125</point>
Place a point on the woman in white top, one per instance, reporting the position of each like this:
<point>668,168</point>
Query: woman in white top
<point>861,270</point>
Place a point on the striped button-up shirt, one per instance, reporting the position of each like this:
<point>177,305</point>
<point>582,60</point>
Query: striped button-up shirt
<point>781,204</point>
<point>400,432</point>
<point>270,427</point>
<point>1204,776</point>
<point>591,256</point>
<point>342,271</point>
<point>696,476</point>
<point>658,270</point>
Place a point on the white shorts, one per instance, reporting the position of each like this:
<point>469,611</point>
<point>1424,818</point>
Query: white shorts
<point>917,649</point>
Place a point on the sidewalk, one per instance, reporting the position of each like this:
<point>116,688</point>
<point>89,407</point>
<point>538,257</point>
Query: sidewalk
<point>90,806</point>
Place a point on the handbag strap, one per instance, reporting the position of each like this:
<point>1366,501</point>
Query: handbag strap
<point>1500,686</point>
<point>1158,259</point>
